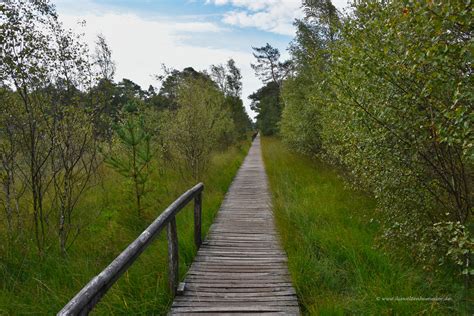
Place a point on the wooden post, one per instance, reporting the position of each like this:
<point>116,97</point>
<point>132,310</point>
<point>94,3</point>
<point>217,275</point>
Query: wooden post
<point>197,219</point>
<point>173,259</point>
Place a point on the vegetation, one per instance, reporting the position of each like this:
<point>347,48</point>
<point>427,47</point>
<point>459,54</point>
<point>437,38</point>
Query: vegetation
<point>384,92</point>
<point>266,101</point>
<point>132,156</point>
<point>42,287</point>
<point>329,232</point>
<point>201,122</point>
<point>69,135</point>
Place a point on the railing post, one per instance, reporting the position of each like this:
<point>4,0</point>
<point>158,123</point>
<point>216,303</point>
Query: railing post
<point>173,259</point>
<point>197,219</point>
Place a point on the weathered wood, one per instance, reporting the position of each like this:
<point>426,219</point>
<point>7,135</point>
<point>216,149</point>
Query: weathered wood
<point>180,289</point>
<point>173,256</point>
<point>222,289</point>
<point>240,295</point>
<point>240,267</point>
<point>228,303</point>
<point>287,310</point>
<point>197,220</point>
<point>233,314</point>
<point>243,295</point>
<point>91,294</point>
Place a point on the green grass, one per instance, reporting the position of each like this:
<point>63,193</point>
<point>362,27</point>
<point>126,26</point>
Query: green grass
<point>30,285</point>
<point>329,233</point>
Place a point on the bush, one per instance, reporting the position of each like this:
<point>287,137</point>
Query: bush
<point>391,97</point>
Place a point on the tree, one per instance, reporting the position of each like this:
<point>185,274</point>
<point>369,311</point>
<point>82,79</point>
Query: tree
<point>233,79</point>
<point>127,92</point>
<point>266,102</point>
<point>171,81</point>
<point>102,94</point>
<point>269,68</point>
<point>241,120</point>
<point>106,109</point>
<point>304,93</point>
<point>103,59</point>
<point>198,124</point>
<point>47,67</point>
<point>74,165</point>
<point>27,60</point>
<point>132,155</point>
<point>219,76</point>
<point>229,80</point>
<point>9,155</point>
<point>325,15</point>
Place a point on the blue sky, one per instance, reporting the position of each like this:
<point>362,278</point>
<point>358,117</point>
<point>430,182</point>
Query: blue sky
<point>144,34</point>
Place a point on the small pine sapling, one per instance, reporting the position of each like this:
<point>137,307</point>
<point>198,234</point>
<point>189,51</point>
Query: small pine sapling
<point>134,157</point>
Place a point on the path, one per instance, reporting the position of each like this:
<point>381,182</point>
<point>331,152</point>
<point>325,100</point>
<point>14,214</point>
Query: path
<point>241,267</point>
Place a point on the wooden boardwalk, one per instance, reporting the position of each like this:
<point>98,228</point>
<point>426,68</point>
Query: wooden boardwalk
<point>241,268</point>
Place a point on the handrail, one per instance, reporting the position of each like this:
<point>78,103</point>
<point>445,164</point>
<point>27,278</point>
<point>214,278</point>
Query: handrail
<point>90,295</point>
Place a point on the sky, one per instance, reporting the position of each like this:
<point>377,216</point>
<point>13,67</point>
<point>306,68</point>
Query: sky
<point>145,34</point>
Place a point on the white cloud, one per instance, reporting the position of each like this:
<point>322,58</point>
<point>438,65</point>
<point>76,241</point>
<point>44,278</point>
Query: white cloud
<point>253,5</point>
<point>275,16</point>
<point>270,21</point>
<point>197,27</point>
<point>257,5</point>
<point>140,46</point>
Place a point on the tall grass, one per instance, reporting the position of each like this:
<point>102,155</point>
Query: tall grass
<point>329,233</point>
<point>30,285</point>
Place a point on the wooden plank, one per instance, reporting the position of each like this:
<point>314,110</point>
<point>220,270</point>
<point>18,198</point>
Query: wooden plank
<point>248,274</point>
<point>217,289</point>
<point>239,295</point>
<point>289,310</point>
<point>233,314</point>
<point>235,298</point>
<point>228,303</point>
<point>233,284</point>
<point>241,267</point>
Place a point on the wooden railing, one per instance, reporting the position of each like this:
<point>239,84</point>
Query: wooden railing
<point>90,295</point>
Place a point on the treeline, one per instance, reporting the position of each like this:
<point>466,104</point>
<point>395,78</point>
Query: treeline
<point>385,92</point>
<point>63,120</point>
